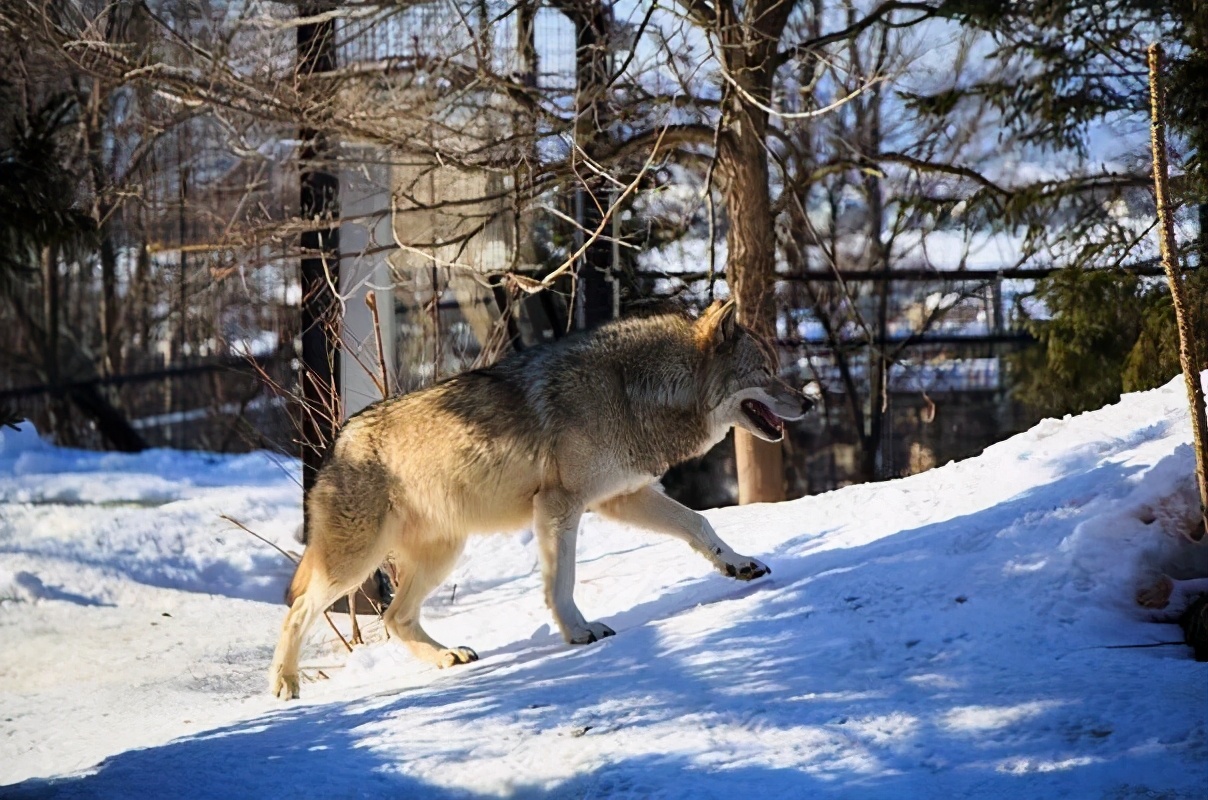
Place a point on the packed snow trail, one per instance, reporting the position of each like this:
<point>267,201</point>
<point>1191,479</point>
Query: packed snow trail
<point>944,634</point>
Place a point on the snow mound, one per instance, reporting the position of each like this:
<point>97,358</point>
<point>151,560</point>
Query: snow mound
<point>953,633</point>
<point>19,438</point>
<point>1141,536</point>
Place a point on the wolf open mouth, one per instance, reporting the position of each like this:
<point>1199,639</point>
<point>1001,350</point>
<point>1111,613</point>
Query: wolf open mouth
<point>763,418</point>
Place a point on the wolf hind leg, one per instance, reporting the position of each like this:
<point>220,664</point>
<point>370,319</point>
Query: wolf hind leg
<point>420,570</point>
<point>319,580</point>
<point>309,595</point>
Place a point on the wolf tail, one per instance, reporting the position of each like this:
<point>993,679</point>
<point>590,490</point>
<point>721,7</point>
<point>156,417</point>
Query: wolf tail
<point>301,579</point>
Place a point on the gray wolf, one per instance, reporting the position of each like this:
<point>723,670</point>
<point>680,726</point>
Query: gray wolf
<point>590,422</point>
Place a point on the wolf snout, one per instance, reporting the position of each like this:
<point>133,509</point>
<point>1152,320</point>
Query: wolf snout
<point>807,405</point>
<point>790,403</point>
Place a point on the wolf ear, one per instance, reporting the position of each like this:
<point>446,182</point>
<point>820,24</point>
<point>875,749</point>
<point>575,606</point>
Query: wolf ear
<point>727,323</point>
<point>719,323</point>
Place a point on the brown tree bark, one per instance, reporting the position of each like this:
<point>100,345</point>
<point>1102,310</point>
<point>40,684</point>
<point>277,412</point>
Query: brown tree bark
<point>748,53</point>
<point>751,267</point>
<point>1188,357</point>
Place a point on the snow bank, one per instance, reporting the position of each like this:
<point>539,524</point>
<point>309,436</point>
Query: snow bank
<point>18,439</point>
<point>945,634</point>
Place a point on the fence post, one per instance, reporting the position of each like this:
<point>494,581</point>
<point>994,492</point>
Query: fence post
<point>320,262</point>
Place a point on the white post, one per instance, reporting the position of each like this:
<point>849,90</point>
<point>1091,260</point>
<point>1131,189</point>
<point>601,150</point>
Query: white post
<point>365,242</point>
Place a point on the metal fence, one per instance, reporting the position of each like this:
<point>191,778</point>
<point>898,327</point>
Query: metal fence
<point>221,405</point>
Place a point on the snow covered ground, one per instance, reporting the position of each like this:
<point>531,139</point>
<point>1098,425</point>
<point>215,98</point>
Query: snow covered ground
<point>942,635</point>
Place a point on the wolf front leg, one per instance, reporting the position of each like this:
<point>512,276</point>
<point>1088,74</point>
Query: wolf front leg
<point>556,517</point>
<point>651,509</point>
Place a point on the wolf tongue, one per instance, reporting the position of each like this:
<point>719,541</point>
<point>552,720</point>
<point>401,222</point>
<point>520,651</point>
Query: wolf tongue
<point>758,409</point>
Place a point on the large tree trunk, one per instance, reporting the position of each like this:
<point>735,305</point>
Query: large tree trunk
<point>750,269</point>
<point>748,50</point>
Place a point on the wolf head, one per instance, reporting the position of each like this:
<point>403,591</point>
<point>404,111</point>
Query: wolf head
<point>744,389</point>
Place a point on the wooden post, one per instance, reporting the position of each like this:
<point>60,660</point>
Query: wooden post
<point>320,263</point>
<point>595,300</point>
<point>1188,357</point>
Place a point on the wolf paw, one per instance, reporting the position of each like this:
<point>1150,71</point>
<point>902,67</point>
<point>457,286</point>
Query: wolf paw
<point>285,687</point>
<point>747,569</point>
<point>456,655</point>
<point>590,632</point>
